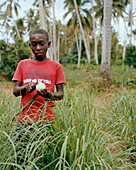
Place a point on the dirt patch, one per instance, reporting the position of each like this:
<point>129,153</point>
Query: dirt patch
<point>6,87</point>
<point>2,78</point>
<point>104,97</point>
<point>83,86</point>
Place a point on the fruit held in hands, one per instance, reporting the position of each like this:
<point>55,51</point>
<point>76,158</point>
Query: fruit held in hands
<point>40,86</point>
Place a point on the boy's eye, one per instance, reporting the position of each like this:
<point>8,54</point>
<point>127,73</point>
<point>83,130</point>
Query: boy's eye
<point>33,44</point>
<point>42,43</point>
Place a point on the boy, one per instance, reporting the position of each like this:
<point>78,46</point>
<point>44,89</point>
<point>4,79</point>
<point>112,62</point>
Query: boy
<point>31,71</point>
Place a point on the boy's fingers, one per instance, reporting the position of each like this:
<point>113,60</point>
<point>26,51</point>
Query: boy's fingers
<point>30,87</point>
<point>45,93</point>
<point>34,84</point>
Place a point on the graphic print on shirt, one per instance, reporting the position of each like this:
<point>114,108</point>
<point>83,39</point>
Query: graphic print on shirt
<point>36,76</point>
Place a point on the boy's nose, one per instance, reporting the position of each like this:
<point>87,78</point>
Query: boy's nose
<point>38,47</point>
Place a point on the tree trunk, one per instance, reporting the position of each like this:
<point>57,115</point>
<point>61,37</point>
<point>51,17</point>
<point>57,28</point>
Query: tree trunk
<point>42,17</point>
<point>131,21</point>
<point>78,47</point>
<point>58,43</point>
<point>125,42</point>
<point>82,31</point>
<point>54,30</point>
<point>95,37</point>
<point>106,43</point>
<point>124,52</point>
<point>50,50</point>
<point>18,34</point>
<point>88,40</point>
<point>65,47</point>
<point>117,49</point>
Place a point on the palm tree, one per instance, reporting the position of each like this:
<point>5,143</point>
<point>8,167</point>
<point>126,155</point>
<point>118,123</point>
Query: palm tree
<point>10,7</point>
<point>54,30</point>
<point>41,12</point>
<point>125,41</point>
<point>59,29</point>
<point>59,36</point>
<point>106,43</point>
<point>74,23</point>
<point>79,47</point>
<point>43,6</point>
<point>82,31</point>
<point>125,3</point>
<point>21,28</point>
<point>50,51</point>
<point>32,20</point>
<point>118,7</point>
<point>130,23</point>
<point>79,17</point>
<point>95,36</point>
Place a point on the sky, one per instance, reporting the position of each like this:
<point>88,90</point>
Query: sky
<point>27,4</point>
<point>59,12</point>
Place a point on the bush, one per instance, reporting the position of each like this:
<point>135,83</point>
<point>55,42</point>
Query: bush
<point>73,56</point>
<point>11,54</point>
<point>130,58</point>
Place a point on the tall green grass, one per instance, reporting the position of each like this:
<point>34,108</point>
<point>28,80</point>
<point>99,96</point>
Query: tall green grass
<point>86,134</point>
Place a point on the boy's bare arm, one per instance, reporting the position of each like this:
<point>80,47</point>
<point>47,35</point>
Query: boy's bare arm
<point>60,92</point>
<point>47,94</point>
<point>19,90</point>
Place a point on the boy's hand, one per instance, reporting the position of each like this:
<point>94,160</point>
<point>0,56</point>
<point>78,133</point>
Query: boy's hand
<point>30,87</point>
<point>46,93</point>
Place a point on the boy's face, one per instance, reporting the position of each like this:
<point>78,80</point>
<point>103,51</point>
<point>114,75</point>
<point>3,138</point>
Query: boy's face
<point>39,45</point>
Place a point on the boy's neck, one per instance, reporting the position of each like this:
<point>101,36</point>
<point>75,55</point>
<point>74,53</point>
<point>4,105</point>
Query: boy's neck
<point>35,59</point>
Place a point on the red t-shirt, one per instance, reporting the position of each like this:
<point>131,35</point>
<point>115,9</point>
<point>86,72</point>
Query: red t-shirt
<point>48,72</point>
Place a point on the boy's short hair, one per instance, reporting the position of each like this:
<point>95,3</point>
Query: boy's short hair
<point>41,31</point>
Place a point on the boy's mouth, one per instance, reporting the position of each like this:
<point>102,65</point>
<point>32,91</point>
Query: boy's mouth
<point>38,53</point>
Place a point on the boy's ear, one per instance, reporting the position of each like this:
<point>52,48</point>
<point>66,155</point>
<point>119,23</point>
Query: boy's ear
<point>49,44</point>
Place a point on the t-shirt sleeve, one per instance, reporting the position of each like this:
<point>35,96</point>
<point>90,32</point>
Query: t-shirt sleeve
<point>60,78</point>
<point>18,73</point>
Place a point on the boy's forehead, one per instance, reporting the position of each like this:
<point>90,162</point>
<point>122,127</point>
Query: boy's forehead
<point>38,36</point>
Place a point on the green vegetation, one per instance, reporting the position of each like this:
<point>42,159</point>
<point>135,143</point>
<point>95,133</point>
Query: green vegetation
<point>95,123</point>
<point>11,54</point>
<point>131,56</point>
<point>94,127</point>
